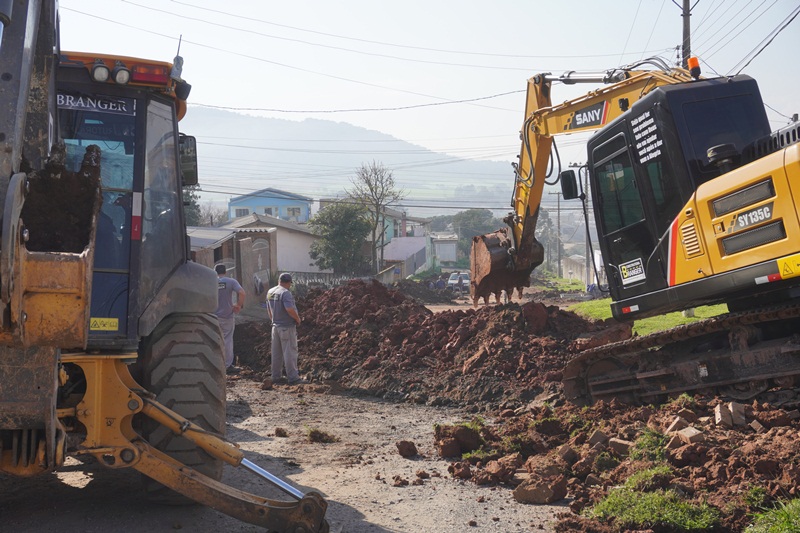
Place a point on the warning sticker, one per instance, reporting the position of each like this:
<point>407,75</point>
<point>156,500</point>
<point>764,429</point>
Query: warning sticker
<point>632,271</point>
<point>789,267</point>
<point>103,324</point>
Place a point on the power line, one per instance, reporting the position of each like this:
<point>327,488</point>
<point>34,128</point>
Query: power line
<point>410,47</point>
<point>354,110</point>
<point>276,63</point>
<point>720,45</point>
<point>788,20</point>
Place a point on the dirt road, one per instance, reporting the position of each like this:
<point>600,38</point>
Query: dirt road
<point>356,474</point>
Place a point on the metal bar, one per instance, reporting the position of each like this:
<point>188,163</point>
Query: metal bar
<point>285,487</point>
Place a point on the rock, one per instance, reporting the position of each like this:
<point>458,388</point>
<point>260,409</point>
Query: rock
<point>448,447</point>
<point>567,453</point>
<point>541,490</point>
<point>677,424</point>
<point>475,361</point>
<point>620,447</point>
<point>737,414</point>
<point>723,416</point>
<point>688,415</point>
<point>406,448</point>
<point>674,443</point>
<point>399,481</point>
<point>460,470</point>
<point>592,480</point>
<point>757,426</point>
<point>280,432</point>
<point>691,435</point>
<point>597,437</point>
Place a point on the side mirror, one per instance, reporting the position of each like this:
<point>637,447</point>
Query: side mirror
<point>188,152</point>
<point>569,185</point>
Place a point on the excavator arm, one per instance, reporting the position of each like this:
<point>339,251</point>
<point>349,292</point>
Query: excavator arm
<point>503,260</point>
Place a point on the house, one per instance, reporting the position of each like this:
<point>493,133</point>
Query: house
<point>271,202</point>
<point>292,241</point>
<point>409,254</point>
<point>249,255</point>
<point>445,248</point>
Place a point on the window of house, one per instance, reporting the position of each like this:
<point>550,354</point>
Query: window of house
<point>293,211</point>
<point>242,212</point>
<point>268,211</point>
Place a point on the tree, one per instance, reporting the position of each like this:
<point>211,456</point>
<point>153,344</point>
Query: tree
<point>342,229</point>
<point>212,215</point>
<point>191,205</point>
<point>472,222</point>
<point>547,234</point>
<point>440,222</point>
<point>375,189</point>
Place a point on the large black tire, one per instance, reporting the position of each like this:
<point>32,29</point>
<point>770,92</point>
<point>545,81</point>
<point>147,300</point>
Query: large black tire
<point>183,365</point>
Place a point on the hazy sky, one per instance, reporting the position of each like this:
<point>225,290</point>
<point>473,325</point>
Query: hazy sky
<point>358,61</point>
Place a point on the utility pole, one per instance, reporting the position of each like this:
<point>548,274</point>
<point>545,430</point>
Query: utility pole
<point>686,48</point>
<point>558,229</point>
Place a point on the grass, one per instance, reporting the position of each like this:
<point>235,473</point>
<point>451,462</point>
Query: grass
<point>784,517</point>
<point>660,509</point>
<point>649,446</point>
<point>601,310</point>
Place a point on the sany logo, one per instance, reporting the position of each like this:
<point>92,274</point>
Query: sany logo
<point>593,115</point>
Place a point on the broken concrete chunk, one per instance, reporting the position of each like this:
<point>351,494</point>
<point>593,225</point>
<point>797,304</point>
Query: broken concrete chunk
<point>674,443</point>
<point>722,416</point>
<point>597,437</point>
<point>621,447</point>
<point>567,453</point>
<point>678,424</point>
<point>691,435</point>
<point>757,426</point>
<point>737,413</point>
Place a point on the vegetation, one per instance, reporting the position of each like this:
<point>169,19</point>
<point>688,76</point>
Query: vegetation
<point>662,509</point>
<point>470,223</point>
<point>342,229</point>
<point>374,188</point>
<point>649,446</point>
<point>601,310</point>
<point>784,517</point>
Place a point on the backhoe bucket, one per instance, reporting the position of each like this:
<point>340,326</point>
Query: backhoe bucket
<point>490,265</point>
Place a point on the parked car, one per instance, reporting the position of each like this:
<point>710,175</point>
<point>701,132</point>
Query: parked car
<point>452,282</point>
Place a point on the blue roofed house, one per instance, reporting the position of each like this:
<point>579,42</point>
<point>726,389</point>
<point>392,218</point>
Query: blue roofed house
<point>271,202</point>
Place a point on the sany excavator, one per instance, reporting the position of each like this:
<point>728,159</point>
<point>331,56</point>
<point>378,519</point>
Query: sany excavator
<point>695,203</point>
<point>108,345</point>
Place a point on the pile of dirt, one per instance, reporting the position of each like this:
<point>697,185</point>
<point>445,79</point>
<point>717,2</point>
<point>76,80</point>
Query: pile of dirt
<point>421,293</point>
<point>738,468</point>
<point>376,340</point>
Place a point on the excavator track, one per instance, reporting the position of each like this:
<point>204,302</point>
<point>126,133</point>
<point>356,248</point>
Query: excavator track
<point>738,355</point>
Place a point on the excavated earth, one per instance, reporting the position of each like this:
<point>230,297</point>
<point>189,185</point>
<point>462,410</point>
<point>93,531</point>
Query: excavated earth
<point>504,363</point>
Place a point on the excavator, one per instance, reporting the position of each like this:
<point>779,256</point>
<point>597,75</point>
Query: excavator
<point>695,203</point>
<point>109,349</point>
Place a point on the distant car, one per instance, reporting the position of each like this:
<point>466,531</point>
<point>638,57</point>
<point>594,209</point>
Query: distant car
<point>452,282</point>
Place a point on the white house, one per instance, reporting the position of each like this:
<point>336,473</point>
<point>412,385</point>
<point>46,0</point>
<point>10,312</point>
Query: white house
<point>292,241</point>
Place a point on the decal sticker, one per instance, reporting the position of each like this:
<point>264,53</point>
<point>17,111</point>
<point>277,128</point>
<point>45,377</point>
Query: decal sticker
<point>632,271</point>
<point>751,218</point>
<point>594,115</point>
<point>104,324</point>
<point>646,136</point>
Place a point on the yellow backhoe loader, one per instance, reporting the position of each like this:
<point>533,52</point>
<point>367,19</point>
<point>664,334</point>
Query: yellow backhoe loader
<point>108,343</point>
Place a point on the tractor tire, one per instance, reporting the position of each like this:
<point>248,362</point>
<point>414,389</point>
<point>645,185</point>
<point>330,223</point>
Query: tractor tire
<point>183,365</point>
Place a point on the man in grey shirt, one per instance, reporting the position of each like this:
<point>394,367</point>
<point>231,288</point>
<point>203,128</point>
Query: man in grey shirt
<point>230,302</point>
<point>283,313</point>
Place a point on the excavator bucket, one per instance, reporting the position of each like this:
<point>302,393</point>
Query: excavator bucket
<point>492,267</point>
